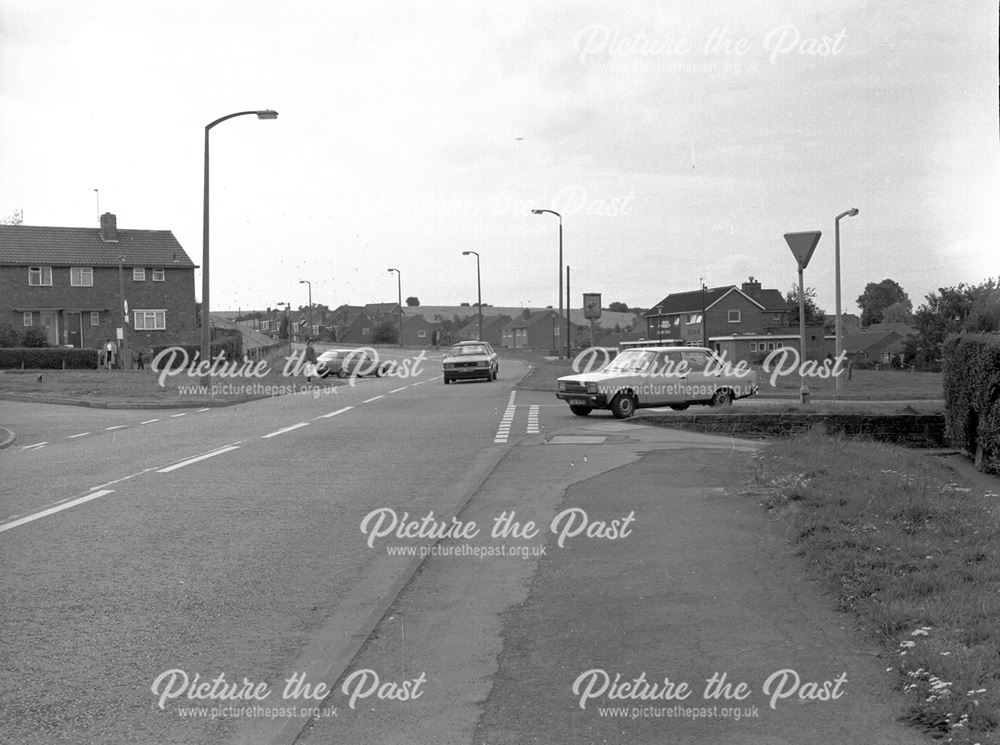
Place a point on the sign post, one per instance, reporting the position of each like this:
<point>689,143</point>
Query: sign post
<point>592,310</point>
<point>802,246</point>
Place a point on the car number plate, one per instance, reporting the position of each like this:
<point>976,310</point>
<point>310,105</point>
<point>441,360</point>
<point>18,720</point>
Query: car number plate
<point>578,402</point>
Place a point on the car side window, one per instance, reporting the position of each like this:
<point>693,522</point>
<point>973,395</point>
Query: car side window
<point>696,361</point>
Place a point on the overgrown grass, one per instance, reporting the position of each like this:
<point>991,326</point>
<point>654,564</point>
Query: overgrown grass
<point>915,554</point>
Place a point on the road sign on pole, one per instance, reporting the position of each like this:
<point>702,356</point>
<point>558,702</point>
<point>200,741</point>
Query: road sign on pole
<point>803,245</point>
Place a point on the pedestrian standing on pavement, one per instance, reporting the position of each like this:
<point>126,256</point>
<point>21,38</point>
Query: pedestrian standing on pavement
<point>310,360</point>
<point>110,351</point>
<point>140,360</point>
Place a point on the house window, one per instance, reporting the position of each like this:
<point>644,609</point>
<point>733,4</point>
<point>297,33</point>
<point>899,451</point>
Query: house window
<point>779,344</point>
<point>159,275</point>
<point>422,334</point>
<point>81,276</point>
<point>150,320</point>
<point>40,276</point>
<point>365,331</point>
<point>26,318</point>
<point>734,316</point>
<point>95,318</point>
<point>770,346</point>
<point>694,318</point>
<point>753,346</point>
<point>138,274</point>
<point>555,331</point>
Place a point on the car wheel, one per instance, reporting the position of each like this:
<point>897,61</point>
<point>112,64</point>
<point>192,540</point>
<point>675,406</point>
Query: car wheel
<point>722,398</point>
<point>679,407</point>
<point>623,406</point>
<point>580,410</point>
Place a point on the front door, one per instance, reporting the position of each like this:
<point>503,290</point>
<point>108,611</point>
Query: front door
<point>74,330</point>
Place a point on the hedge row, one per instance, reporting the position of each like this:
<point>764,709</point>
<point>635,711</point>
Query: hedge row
<point>972,397</point>
<point>230,344</point>
<point>47,358</point>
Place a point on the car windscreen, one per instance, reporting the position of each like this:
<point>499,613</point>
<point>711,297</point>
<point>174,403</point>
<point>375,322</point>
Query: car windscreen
<point>630,361</point>
<point>466,350</point>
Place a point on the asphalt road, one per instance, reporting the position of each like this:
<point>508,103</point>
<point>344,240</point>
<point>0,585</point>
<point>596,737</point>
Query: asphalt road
<point>220,540</point>
<point>190,576</point>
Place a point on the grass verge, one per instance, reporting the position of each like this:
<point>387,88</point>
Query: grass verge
<point>915,554</point>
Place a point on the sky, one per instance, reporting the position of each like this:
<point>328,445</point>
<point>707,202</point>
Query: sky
<point>678,140</point>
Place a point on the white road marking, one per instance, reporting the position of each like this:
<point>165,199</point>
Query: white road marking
<point>373,398</point>
<point>503,430</point>
<point>197,458</point>
<point>201,410</point>
<point>285,429</point>
<point>35,446</point>
<point>333,413</point>
<point>53,510</point>
<point>533,419</point>
<point>149,421</point>
<point>397,390</point>
<point>174,416</point>
<point>117,426</point>
<point>82,434</point>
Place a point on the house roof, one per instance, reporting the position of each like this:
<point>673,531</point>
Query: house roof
<point>523,320</point>
<point>691,302</point>
<point>380,308</point>
<point>489,323</point>
<point>29,245</point>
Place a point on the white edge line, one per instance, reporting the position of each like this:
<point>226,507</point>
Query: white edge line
<point>197,458</point>
<point>285,429</point>
<point>53,510</point>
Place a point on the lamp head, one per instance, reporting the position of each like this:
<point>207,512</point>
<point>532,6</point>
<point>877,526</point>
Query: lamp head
<point>536,212</point>
<point>853,211</point>
<point>267,114</point>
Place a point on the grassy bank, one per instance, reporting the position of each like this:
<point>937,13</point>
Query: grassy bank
<point>915,553</point>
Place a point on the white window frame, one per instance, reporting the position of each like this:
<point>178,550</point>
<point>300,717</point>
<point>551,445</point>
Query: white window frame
<point>753,346</point>
<point>81,276</point>
<point>138,274</point>
<point>42,273</point>
<point>737,319</point>
<point>159,275</point>
<point>95,318</point>
<point>141,316</point>
<point>27,318</point>
<point>421,333</point>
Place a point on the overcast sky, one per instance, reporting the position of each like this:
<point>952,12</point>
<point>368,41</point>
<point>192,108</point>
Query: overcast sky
<point>680,141</point>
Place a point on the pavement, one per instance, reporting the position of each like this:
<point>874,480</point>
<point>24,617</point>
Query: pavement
<point>681,614</point>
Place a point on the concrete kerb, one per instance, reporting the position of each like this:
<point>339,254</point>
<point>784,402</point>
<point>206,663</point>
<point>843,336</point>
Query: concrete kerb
<point>7,438</point>
<point>186,404</point>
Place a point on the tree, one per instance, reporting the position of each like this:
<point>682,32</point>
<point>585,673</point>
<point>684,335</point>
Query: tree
<point>412,302</point>
<point>877,297</point>
<point>385,333</point>
<point>617,307</point>
<point>14,218</point>
<point>815,316</point>
<point>952,310</point>
<point>900,312</point>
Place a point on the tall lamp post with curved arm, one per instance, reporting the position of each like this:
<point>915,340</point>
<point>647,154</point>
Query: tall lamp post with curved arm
<point>399,304</point>
<point>479,291</point>
<point>206,332</point>
<point>839,324</point>
<point>553,212</point>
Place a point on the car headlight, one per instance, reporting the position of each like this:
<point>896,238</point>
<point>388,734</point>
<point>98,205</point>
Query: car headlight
<point>562,385</point>
<point>591,387</point>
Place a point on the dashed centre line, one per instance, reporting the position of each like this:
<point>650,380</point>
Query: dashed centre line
<point>333,413</point>
<point>197,458</point>
<point>283,430</point>
<point>82,434</point>
<point>117,426</point>
<point>373,398</point>
<point>58,508</point>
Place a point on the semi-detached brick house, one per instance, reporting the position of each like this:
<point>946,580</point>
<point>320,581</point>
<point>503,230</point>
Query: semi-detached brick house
<point>66,280</point>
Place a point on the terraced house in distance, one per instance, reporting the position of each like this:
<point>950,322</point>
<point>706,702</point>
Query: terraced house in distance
<point>72,281</point>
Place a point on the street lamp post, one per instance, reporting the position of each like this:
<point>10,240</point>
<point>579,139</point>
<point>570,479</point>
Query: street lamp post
<point>839,323</point>
<point>553,212</point>
<point>399,303</point>
<point>307,282</point>
<point>206,333</point>
<point>479,291</point>
<point>659,323</point>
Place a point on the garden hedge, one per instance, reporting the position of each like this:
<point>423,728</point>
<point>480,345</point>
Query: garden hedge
<point>227,341</point>
<point>47,358</point>
<point>972,397</point>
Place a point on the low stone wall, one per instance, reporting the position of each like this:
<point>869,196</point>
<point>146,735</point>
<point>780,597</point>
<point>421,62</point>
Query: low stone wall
<point>911,430</point>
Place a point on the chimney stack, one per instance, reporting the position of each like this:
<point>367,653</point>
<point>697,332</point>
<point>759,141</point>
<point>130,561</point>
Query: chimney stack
<point>109,228</point>
<point>752,288</point>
